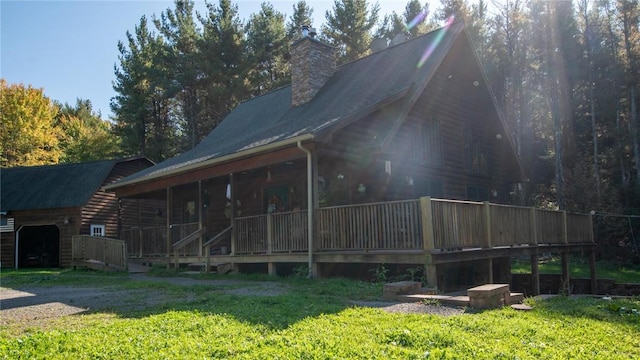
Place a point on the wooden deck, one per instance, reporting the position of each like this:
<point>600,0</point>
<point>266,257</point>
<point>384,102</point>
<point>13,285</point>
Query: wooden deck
<point>423,231</point>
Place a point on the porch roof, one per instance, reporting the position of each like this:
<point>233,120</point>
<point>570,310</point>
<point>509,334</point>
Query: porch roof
<point>355,90</point>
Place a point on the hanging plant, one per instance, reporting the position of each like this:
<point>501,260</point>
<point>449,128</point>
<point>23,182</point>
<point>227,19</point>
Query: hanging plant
<point>227,209</point>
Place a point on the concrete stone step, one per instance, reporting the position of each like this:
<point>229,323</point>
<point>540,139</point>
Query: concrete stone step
<point>451,299</point>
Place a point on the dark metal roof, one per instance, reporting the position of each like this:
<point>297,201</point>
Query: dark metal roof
<point>401,69</point>
<point>52,186</point>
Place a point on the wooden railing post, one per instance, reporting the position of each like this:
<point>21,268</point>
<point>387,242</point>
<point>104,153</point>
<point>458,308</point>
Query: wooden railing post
<point>565,235</point>
<point>428,242</point>
<point>534,226</point>
<point>140,239</point>
<point>426,219</point>
<point>487,220</point>
<point>169,215</point>
<point>269,233</point>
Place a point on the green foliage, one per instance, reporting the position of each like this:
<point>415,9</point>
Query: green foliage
<point>268,49</point>
<point>380,273</point>
<point>313,319</point>
<point>86,137</point>
<point>349,27</point>
<point>28,135</point>
<point>301,15</point>
<point>579,268</point>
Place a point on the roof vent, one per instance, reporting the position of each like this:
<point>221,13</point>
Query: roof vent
<point>378,44</point>
<point>398,39</point>
<point>312,32</point>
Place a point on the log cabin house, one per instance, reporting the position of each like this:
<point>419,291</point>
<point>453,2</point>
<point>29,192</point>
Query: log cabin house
<point>43,207</point>
<point>352,165</point>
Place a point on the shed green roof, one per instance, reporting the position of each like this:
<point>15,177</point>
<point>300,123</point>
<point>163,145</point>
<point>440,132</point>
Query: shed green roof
<point>51,186</point>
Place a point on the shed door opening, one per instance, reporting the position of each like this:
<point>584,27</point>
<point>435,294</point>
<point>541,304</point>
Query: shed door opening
<point>39,246</point>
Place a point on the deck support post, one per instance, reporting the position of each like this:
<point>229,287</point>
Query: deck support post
<point>272,268</point>
<point>428,242</point>
<point>490,265</point>
<point>566,286</point>
<point>535,275</point>
<point>592,271</point>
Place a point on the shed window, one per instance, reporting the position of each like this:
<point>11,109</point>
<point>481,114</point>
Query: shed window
<point>97,230</point>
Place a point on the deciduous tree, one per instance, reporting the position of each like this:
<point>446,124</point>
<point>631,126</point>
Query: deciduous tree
<point>28,135</point>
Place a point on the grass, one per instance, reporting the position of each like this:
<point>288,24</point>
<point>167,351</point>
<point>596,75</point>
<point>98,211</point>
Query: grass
<point>316,320</point>
<point>579,268</point>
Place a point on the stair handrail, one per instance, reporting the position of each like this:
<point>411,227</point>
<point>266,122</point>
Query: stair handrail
<point>188,239</point>
<point>218,238</point>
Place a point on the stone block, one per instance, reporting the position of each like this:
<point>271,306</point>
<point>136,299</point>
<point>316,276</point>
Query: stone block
<point>489,296</point>
<point>391,290</point>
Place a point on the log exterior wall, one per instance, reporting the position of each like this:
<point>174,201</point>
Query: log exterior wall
<point>40,217</point>
<point>104,208</point>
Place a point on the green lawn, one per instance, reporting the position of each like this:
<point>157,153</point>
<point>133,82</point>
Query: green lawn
<point>579,268</point>
<point>315,320</point>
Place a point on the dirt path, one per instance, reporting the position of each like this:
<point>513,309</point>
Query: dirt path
<point>32,305</point>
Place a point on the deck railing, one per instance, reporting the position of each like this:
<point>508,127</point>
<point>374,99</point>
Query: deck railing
<point>377,226</point>
<point>399,225</point>
<point>464,224</point>
<point>272,233</point>
<point>108,251</point>
<point>148,241</point>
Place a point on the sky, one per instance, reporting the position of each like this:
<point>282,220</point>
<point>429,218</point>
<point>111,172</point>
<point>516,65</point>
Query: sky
<point>69,48</point>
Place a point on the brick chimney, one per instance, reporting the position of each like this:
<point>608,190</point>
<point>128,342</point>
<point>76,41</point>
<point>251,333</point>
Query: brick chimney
<point>312,64</point>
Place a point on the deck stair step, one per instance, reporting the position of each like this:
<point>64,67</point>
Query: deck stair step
<point>450,300</point>
<point>392,290</point>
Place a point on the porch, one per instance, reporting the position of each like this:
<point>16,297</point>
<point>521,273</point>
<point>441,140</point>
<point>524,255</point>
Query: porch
<point>424,232</point>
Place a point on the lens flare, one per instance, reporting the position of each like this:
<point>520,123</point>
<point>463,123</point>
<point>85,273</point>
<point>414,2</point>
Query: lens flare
<point>435,42</point>
<point>417,20</point>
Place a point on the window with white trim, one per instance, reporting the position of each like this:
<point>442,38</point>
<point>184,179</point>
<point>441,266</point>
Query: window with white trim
<point>97,230</point>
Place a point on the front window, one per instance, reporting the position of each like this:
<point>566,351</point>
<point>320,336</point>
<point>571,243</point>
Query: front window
<point>190,214</point>
<point>475,153</point>
<point>425,144</point>
<point>477,193</point>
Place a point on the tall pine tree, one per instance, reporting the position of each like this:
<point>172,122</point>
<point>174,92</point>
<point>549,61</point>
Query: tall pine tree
<point>349,27</point>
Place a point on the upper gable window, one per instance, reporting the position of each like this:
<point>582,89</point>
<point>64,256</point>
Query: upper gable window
<point>425,144</point>
<point>475,154</point>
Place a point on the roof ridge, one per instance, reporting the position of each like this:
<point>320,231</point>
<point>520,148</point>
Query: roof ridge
<point>404,43</point>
